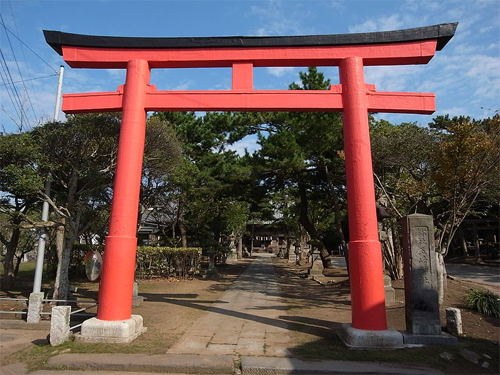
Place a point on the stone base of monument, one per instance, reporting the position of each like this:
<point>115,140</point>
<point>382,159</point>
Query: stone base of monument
<point>137,300</point>
<point>316,266</point>
<point>211,274</point>
<point>390,294</point>
<point>111,332</point>
<point>441,339</point>
<point>364,339</point>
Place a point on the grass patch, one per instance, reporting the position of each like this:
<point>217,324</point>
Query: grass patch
<point>37,356</point>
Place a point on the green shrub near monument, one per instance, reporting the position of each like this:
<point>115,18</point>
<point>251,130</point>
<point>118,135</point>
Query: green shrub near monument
<point>483,301</point>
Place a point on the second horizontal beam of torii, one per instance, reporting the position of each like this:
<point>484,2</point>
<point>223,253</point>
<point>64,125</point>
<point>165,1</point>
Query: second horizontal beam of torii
<point>251,100</point>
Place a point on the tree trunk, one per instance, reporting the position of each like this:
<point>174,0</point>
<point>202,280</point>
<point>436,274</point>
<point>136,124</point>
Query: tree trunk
<point>393,255</point>
<point>441,277</point>
<point>8,261</point>
<point>239,248</point>
<point>60,289</point>
<point>477,246</point>
<point>463,243</point>
<point>336,205</point>
<point>180,223</point>
<point>310,228</point>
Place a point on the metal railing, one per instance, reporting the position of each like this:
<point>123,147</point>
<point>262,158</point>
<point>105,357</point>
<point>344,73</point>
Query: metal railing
<point>66,301</point>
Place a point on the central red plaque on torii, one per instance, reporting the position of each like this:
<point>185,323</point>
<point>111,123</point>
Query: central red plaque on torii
<point>353,97</point>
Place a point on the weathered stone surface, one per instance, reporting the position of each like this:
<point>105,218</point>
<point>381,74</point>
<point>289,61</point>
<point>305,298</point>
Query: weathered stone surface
<point>441,339</point>
<point>364,339</point>
<point>420,276</point>
<point>390,294</point>
<point>470,355</point>
<point>102,331</point>
<point>316,265</point>
<point>35,307</point>
<point>454,321</point>
<point>165,363</point>
<point>59,326</point>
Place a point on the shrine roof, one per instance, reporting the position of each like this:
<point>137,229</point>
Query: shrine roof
<point>442,32</point>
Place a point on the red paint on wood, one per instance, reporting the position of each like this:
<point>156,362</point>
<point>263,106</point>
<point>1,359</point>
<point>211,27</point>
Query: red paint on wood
<point>251,100</point>
<point>242,76</point>
<point>365,257</point>
<point>418,52</point>
<point>115,296</point>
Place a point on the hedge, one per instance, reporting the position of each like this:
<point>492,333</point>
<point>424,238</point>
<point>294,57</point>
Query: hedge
<point>165,262</point>
<point>151,262</point>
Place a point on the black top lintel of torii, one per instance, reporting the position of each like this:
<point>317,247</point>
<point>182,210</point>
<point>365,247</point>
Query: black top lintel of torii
<point>442,32</point>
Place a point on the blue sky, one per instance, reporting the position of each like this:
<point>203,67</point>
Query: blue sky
<point>465,75</point>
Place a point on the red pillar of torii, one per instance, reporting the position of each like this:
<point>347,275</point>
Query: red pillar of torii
<point>353,97</point>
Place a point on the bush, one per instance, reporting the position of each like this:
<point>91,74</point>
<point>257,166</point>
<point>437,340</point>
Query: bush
<point>151,262</point>
<point>483,301</point>
<point>166,262</point>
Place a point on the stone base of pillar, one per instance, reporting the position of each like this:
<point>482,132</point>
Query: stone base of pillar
<point>364,339</point>
<point>111,332</point>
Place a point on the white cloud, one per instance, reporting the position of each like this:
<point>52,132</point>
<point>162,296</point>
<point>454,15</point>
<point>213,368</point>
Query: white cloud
<point>392,78</point>
<point>453,111</point>
<point>392,22</point>
<point>336,4</point>
<point>280,71</point>
<point>281,18</point>
<point>183,86</point>
<point>366,27</point>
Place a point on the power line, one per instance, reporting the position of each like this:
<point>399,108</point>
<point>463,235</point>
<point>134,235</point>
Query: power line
<point>31,79</point>
<point>21,75</point>
<point>37,101</point>
<point>28,47</point>
<point>9,89</point>
<point>13,87</point>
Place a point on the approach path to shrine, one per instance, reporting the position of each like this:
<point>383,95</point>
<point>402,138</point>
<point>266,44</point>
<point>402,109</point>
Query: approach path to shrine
<point>246,320</point>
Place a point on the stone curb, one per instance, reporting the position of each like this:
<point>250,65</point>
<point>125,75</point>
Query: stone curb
<point>166,363</point>
<point>291,366</point>
<point>221,365</point>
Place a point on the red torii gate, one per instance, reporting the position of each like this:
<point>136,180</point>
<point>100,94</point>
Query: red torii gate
<point>353,97</point>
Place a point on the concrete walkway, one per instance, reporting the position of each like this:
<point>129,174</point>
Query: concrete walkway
<point>479,274</point>
<point>245,320</point>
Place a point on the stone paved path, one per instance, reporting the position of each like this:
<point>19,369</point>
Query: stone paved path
<point>244,321</point>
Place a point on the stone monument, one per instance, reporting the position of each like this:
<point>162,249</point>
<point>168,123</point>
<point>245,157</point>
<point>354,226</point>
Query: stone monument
<point>420,276</point>
<point>423,324</point>
<point>316,268</point>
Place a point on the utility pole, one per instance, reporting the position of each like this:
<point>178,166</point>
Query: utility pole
<point>42,239</point>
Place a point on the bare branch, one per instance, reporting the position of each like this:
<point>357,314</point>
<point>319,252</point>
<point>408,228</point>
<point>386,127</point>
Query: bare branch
<point>60,210</point>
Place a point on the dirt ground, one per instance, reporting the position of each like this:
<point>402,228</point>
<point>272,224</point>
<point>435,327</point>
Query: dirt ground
<point>317,311</point>
<point>317,300</point>
<point>324,306</point>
